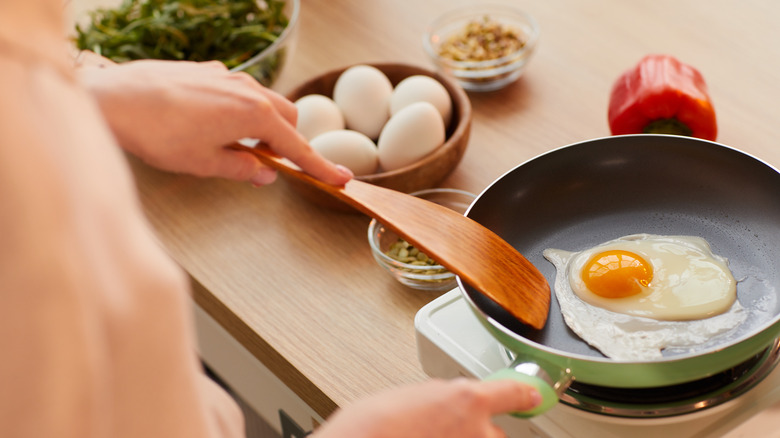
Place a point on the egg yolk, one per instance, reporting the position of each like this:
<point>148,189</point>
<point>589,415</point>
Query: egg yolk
<point>616,274</point>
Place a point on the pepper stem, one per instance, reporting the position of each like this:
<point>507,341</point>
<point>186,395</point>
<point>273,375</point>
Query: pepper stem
<point>668,126</point>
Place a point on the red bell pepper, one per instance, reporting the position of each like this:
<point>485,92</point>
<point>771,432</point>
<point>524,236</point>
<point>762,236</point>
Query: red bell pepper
<point>661,95</point>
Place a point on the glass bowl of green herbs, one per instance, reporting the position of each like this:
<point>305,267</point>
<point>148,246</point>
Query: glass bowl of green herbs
<point>255,36</point>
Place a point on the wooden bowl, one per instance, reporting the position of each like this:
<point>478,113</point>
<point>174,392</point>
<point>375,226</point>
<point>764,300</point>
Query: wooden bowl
<point>423,174</point>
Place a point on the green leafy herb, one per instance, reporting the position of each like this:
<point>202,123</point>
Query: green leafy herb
<point>231,31</point>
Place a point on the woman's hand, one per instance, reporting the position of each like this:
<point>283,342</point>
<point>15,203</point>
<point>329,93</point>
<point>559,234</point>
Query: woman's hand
<point>438,408</point>
<point>179,116</point>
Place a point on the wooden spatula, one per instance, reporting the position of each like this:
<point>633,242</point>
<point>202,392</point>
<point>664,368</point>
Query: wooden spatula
<point>481,258</point>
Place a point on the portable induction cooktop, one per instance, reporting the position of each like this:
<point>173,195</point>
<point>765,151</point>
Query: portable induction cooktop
<point>451,342</point>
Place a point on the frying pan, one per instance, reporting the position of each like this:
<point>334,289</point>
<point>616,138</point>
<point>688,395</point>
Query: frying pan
<point>590,192</point>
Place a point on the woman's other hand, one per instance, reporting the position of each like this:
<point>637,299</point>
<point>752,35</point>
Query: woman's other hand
<point>438,408</point>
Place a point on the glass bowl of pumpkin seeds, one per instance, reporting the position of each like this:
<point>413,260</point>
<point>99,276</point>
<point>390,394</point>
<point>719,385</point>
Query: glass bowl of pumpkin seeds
<point>410,266</point>
<point>483,47</point>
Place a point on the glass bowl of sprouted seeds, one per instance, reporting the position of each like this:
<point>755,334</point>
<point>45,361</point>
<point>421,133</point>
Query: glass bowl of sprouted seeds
<point>484,47</point>
<point>254,36</point>
<point>404,261</point>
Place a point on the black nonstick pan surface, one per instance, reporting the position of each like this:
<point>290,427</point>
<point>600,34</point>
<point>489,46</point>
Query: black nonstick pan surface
<point>587,193</point>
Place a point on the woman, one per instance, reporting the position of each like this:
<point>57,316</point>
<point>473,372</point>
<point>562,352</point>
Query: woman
<point>95,323</point>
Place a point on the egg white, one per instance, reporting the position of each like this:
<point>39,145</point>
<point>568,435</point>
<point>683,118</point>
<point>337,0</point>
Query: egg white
<point>626,337</point>
<point>688,280</point>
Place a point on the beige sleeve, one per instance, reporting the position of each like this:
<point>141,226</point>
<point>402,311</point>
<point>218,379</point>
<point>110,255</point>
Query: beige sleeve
<point>96,332</point>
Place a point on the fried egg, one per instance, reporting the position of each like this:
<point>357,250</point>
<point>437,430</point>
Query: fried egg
<point>636,295</point>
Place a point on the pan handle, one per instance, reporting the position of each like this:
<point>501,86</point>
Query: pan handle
<point>550,380</point>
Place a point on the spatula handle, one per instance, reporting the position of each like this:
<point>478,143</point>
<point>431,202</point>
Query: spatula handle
<point>274,160</point>
<point>466,248</point>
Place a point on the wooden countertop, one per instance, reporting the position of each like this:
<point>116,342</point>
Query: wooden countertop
<point>297,285</point>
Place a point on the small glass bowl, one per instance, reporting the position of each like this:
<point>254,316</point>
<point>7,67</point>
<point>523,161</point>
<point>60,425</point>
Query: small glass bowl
<point>424,277</point>
<point>487,75</point>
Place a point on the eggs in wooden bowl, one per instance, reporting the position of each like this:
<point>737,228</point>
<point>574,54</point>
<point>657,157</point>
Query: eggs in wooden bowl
<point>394,125</point>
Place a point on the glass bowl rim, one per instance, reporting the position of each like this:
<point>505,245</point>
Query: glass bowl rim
<point>292,23</point>
<point>373,232</point>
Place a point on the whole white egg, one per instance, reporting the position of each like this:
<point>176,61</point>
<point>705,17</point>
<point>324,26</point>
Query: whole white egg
<point>317,114</point>
<point>363,94</point>
<point>349,148</point>
<point>421,88</point>
<point>412,133</point>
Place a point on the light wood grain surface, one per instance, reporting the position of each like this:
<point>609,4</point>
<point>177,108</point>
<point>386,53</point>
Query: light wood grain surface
<point>297,285</point>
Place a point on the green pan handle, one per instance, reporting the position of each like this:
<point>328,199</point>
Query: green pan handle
<point>540,378</point>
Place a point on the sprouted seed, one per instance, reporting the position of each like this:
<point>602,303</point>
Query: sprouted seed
<point>405,252</point>
<point>482,40</point>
